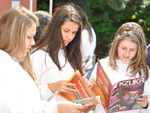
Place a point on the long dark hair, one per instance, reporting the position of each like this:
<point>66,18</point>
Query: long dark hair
<point>85,21</point>
<point>52,38</point>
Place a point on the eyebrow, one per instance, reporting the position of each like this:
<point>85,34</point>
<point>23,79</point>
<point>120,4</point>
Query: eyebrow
<point>32,33</point>
<point>69,29</point>
<point>126,47</point>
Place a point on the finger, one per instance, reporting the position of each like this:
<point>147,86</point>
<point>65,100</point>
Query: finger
<point>143,104</point>
<point>71,84</point>
<point>71,89</point>
<point>144,96</point>
<point>79,106</point>
<point>139,99</point>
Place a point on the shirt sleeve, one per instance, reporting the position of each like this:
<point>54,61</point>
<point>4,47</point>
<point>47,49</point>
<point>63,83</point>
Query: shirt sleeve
<point>147,90</point>
<point>38,59</point>
<point>86,44</point>
<point>18,92</point>
<point>45,92</point>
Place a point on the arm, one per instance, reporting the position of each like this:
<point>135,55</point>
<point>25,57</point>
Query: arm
<point>42,64</point>
<point>145,101</point>
<point>38,61</point>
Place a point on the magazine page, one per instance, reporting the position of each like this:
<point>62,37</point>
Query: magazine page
<point>88,103</point>
<point>103,88</point>
<point>82,89</point>
<point>124,93</point>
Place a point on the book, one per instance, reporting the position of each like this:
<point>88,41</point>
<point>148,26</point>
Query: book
<point>119,96</point>
<point>83,93</point>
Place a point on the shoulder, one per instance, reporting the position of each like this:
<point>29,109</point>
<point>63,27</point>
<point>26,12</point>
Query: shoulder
<point>85,33</point>
<point>39,54</point>
<point>104,60</point>
<point>5,59</point>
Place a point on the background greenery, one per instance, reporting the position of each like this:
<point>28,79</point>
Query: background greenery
<point>106,16</point>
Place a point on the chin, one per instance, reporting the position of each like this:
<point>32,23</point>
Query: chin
<point>126,61</point>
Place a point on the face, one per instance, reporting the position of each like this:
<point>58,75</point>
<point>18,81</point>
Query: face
<point>68,32</point>
<point>127,50</point>
<point>30,37</point>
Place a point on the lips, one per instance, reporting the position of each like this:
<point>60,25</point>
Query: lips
<point>66,42</point>
<point>28,49</point>
<point>125,57</point>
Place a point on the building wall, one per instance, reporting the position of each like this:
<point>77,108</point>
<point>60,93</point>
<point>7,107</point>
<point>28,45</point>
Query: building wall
<point>7,4</point>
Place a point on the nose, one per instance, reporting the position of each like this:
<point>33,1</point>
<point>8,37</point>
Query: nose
<point>70,36</point>
<point>127,53</point>
<point>32,42</point>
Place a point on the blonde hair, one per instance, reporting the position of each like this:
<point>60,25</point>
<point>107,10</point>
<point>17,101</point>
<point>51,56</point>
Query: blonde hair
<point>131,31</point>
<point>13,29</point>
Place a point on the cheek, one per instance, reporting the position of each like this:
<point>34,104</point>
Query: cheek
<point>63,34</point>
<point>27,43</point>
<point>119,51</point>
<point>73,37</point>
<point>134,54</point>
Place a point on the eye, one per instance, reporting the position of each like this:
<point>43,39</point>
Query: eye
<point>29,37</point>
<point>132,49</point>
<point>65,31</point>
<point>74,32</point>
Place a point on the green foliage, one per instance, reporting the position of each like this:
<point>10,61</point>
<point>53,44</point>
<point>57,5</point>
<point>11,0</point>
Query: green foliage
<point>106,17</point>
<point>106,20</point>
<point>43,5</point>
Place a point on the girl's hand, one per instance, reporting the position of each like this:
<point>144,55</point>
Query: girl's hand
<point>62,86</point>
<point>142,101</point>
<point>92,80</point>
<point>69,107</point>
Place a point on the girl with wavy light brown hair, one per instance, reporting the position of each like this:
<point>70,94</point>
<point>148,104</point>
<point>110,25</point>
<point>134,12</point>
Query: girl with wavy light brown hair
<point>127,60</point>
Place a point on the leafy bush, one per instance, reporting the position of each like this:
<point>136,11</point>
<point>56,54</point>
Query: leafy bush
<point>106,19</point>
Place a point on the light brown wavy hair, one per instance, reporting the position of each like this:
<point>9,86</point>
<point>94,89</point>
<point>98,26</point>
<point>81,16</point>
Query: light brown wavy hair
<point>134,32</point>
<point>13,30</point>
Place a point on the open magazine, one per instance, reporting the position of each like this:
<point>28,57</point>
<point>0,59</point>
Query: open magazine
<point>120,96</point>
<point>83,93</point>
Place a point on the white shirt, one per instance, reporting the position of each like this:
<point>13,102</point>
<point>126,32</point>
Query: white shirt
<point>18,92</point>
<point>87,47</point>
<point>119,75</point>
<point>47,72</point>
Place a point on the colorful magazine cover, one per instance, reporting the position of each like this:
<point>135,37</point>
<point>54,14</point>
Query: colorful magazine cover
<point>103,88</point>
<point>83,90</point>
<point>120,96</point>
<point>88,103</point>
<point>124,93</point>
<point>83,95</point>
